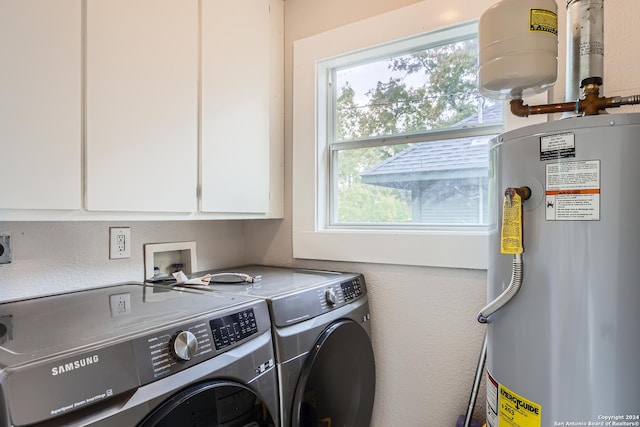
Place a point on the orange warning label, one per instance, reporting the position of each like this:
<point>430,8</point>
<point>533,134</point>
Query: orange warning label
<point>590,191</point>
<point>573,191</point>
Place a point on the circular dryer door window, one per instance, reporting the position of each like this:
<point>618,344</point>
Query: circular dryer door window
<point>211,404</point>
<point>337,383</point>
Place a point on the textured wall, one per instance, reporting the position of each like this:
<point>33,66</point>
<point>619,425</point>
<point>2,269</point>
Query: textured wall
<point>57,256</point>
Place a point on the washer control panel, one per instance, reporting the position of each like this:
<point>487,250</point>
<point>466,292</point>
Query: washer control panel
<point>185,345</point>
<point>169,351</point>
<point>228,330</point>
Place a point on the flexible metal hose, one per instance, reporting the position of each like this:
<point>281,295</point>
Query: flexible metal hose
<point>508,294</point>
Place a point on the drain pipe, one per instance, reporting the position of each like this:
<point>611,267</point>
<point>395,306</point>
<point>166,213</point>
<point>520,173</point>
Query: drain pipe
<point>476,382</point>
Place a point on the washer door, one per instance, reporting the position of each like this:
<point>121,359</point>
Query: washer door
<point>337,382</point>
<point>212,403</point>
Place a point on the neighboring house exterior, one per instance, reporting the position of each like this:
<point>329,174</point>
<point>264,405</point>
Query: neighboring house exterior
<point>448,179</point>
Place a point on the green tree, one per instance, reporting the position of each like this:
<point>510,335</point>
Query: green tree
<point>427,90</point>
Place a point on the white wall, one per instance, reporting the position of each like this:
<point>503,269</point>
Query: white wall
<point>426,338</point>
<point>50,257</point>
<point>425,335</point>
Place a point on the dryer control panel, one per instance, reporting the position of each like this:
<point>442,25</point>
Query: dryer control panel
<point>169,351</point>
<point>311,302</point>
<point>352,289</point>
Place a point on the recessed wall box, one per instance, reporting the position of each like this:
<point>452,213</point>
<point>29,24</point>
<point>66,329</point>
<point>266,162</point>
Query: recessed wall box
<point>5,249</point>
<point>169,258</point>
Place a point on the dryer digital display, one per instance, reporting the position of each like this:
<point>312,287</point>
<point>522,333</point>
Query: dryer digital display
<point>233,328</point>
<point>351,289</point>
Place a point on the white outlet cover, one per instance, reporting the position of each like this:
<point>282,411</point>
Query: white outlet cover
<point>120,304</point>
<point>119,242</point>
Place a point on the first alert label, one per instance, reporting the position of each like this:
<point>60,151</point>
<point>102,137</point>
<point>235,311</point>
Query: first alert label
<point>516,411</point>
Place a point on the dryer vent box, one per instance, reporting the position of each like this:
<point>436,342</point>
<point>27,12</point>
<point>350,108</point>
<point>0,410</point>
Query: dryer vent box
<point>169,258</point>
<point>5,249</point>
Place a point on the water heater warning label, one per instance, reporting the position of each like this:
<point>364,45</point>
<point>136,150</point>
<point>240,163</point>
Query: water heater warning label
<point>573,191</point>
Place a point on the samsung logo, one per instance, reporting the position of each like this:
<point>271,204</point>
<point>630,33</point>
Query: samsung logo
<point>76,364</point>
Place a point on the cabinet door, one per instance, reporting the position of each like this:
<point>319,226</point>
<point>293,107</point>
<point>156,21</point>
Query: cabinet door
<point>142,105</point>
<point>40,104</point>
<point>235,106</point>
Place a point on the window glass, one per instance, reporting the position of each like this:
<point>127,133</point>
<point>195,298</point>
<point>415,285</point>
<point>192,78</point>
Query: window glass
<point>408,134</point>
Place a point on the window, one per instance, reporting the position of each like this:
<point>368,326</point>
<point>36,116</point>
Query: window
<point>408,133</point>
<point>344,168</point>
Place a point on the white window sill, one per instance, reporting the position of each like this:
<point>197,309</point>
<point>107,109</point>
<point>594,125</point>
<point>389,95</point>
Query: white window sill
<point>425,248</point>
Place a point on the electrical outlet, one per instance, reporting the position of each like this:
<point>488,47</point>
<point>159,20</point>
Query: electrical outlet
<point>5,249</point>
<point>120,304</point>
<point>119,242</point>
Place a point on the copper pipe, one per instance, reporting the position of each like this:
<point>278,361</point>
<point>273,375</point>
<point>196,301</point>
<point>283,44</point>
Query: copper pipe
<point>524,192</point>
<point>591,104</point>
<point>519,109</point>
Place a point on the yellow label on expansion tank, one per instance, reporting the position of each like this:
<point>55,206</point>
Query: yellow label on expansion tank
<point>517,411</point>
<point>543,20</point>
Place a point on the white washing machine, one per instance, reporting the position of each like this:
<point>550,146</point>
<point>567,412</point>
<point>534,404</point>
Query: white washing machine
<point>322,336</point>
<point>137,355</point>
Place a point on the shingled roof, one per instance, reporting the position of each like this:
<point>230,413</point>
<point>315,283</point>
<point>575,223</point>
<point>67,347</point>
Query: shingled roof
<point>435,160</point>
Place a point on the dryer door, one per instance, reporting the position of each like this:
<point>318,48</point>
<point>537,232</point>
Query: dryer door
<point>211,403</point>
<point>337,383</point>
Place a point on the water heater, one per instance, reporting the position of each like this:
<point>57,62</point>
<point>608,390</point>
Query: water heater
<point>563,313</point>
<point>564,351</point>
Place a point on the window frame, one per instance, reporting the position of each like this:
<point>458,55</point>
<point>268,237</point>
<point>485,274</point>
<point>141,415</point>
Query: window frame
<point>312,237</point>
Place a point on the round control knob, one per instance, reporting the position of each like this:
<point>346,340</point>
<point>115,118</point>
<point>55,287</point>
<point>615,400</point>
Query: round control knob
<point>330,297</point>
<point>184,345</point>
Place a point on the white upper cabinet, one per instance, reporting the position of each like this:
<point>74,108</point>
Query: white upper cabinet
<point>236,86</point>
<point>40,104</point>
<point>142,105</point>
<point>141,109</point>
